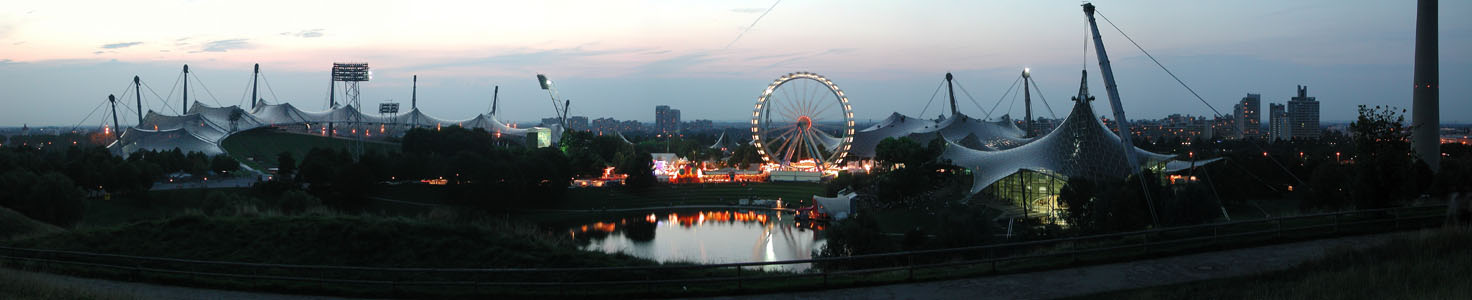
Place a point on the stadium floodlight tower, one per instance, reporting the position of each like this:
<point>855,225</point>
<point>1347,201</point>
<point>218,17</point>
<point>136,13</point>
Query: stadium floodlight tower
<point>350,74</point>
<point>552,92</point>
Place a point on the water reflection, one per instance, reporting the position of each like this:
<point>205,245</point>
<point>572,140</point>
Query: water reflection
<point>704,237</point>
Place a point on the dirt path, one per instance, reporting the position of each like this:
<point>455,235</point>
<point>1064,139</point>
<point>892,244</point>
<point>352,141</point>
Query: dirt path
<point>1103,278</point>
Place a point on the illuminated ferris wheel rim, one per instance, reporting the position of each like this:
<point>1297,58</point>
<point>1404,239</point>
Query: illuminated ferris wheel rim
<point>803,122</point>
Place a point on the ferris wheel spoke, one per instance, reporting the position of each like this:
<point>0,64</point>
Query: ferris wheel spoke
<point>815,146</point>
<point>787,114</point>
<point>826,107</point>
<point>790,108</point>
<point>812,102</point>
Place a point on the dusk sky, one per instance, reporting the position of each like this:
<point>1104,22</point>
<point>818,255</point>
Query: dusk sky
<point>619,59</point>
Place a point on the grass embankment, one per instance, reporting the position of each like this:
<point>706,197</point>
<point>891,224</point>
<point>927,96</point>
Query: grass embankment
<point>333,240</point>
<point>336,240</point>
<point>1433,264</point>
<point>258,148</point>
<point>16,225</point>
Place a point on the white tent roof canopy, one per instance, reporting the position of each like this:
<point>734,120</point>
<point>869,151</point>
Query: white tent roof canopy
<point>204,127</point>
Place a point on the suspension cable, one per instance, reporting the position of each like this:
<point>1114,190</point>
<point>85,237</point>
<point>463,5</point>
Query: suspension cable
<point>89,115</point>
<point>1040,96</point>
<point>1004,97</point>
<point>269,89</point>
<point>207,90</point>
<point>171,95</point>
<point>1216,113</point>
<point>156,96</point>
<point>973,99</point>
<point>932,99</point>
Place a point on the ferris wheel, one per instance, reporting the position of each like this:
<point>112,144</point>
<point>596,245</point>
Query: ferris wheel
<point>802,120</point>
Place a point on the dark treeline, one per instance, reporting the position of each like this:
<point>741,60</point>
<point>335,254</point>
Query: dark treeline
<point>49,184</point>
<point>478,169</point>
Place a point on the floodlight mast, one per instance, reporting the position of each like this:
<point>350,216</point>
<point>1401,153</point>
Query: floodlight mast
<point>552,92</point>
<point>351,74</point>
<point>1027,100</point>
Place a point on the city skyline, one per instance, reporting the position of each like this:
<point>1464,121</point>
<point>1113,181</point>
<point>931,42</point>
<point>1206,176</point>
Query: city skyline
<point>694,60</point>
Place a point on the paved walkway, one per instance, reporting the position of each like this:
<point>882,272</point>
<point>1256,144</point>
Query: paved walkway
<point>136,290</point>
<point>1103,278</point>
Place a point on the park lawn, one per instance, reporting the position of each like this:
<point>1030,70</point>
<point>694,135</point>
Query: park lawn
<point>258,148</point>
<point>169,203</point>
<point>1432,264</point>
<point>16,225</point>
<point>160,204</point>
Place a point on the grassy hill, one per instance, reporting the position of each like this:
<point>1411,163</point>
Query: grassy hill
<point>258,147</point>
<point>333,240</point>
<point>16,225</point>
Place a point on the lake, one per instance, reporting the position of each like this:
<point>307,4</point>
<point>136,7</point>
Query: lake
<point>708,237</point>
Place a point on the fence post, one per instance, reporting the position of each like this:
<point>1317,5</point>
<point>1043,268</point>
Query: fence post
<point>1336,224</point>
<point>738,277</point>
<point>1396,219</point>
<point>1277,228</point>
<point>1146,244</point>
<point>911,258</point>
<point>1214,239</point>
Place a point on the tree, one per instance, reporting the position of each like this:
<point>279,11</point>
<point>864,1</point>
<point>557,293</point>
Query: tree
<point>223,164</point>
<point>50,197</point>
<point>1382,160</point>
<point>744,156</point>
<point>285,166</point>
<point>900,152</point>
<point>1081,211</point>
<point>639,165</point>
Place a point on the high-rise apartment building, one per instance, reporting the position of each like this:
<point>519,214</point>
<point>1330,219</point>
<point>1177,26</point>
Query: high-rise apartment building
<point>1303,115</point>
<point>666,120</point>
<point>1249,116</point>
<point>1277,122</point>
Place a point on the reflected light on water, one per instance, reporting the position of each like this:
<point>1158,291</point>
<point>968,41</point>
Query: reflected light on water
<point>704,237</point>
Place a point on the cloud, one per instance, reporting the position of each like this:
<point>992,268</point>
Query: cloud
<point>96,52</point>
<point>309,33</point>
<point>225,45</point>
<point>834,51</point>
<point>121,45</point>
<point>756,10</point>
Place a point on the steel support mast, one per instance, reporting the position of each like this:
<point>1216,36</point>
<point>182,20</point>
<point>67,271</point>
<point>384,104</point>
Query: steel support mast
<point>1120,122</point>
<point>950,89</point>
<point>185,109</point>
<point>114,101</point>
<point>1027,101</point>
<point>138,91</point>
<point>255,79</point>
